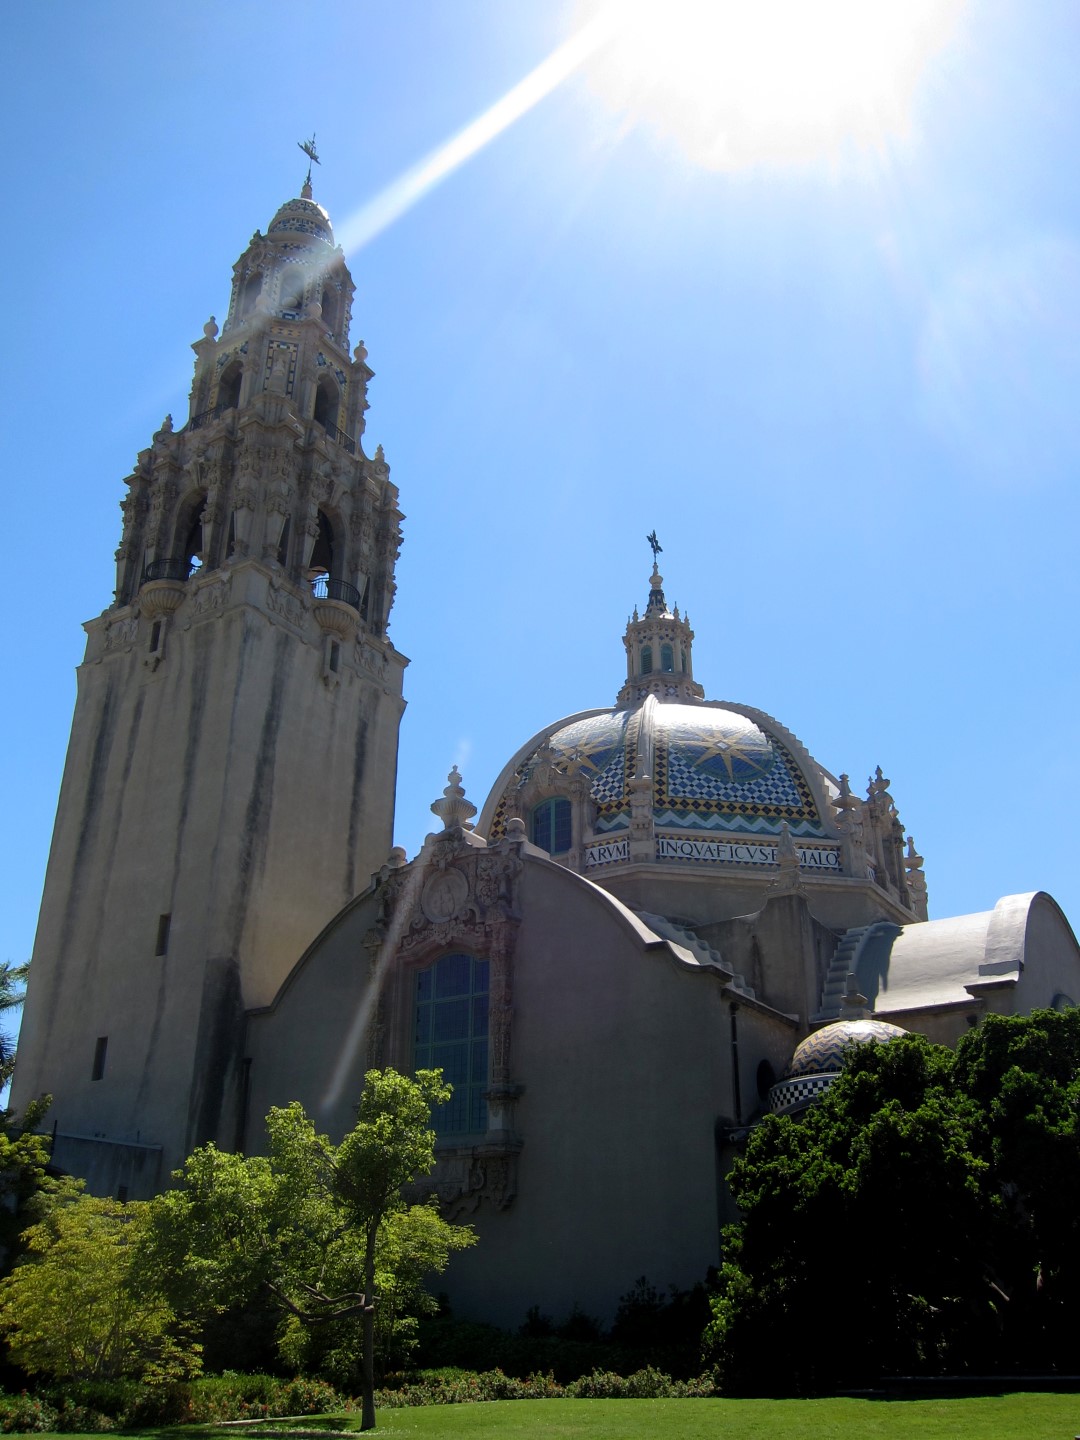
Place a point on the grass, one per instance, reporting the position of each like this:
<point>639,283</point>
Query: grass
<point>995,1417</point>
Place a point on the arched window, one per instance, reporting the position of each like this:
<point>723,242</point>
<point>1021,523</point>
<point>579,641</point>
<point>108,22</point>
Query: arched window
<point>451,1035</point>
<point>646,660</point>
<point>550,825</point>
<point>228,390</point>
<point>682,656</point>
<point>667,659</point>
<point>327,403</point>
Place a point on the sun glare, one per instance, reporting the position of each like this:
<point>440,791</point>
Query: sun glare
<point>739,83</point>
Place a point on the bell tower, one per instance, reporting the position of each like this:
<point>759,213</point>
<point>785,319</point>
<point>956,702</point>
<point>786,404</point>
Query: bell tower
<point>230,775</point>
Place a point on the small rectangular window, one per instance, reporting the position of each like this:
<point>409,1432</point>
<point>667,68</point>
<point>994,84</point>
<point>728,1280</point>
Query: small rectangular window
<point>122,1194</point>
<point>155,636</point>
<point>99,1057</point>
<point>163,925</point>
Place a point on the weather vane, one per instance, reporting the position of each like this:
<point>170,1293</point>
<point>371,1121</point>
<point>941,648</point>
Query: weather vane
<point>657,548</point>
<point>308,147</point>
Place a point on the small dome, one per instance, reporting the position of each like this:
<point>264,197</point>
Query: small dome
<point>826,1050</point>
<point>820,1058</point>
<point>302,217</point>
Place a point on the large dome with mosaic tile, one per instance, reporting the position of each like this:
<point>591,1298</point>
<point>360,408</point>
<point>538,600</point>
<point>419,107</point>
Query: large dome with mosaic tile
<point>667,777</point>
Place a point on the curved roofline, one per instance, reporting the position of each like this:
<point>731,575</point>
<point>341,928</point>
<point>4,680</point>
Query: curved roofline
<point>487,810</point>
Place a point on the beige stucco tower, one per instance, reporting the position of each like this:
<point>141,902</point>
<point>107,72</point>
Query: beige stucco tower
<point>230,776</point>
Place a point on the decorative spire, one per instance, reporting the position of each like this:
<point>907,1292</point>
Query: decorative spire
<point>308,147</point>
<point>658,647</point>
<point>453,809</point>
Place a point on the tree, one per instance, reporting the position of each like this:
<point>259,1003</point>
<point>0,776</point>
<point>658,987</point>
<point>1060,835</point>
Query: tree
<point>917,1220</point>
<point>321,1229</point>
<point>12,994</point>
<point>25,1185</point>
<point>72,1308</point>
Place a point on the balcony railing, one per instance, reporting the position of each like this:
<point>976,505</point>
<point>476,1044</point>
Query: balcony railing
<point>207,417</point>
<point>167,570</point>
<point>324,588</point>
<point>339,437</point>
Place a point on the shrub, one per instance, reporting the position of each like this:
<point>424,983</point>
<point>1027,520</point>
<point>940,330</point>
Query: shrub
<point>25,1415</point>
<point>469,1387</point>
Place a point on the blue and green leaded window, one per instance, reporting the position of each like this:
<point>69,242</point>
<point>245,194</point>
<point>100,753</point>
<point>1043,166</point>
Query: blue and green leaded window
<point>551,825</point>
<point>452,1036</point>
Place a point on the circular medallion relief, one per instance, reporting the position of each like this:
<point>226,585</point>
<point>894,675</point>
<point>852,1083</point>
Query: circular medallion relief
<point>444,895</point>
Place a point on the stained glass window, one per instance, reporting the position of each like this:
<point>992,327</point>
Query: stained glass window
<point>452,1036</point>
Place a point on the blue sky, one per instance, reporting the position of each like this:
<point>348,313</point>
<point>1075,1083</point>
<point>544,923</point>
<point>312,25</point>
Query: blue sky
<point>846,397</point>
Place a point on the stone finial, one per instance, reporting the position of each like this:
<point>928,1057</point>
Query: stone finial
<point>844,802</point>
<point>166,426</point>
<point>854,1006</point>
<point>515,830</point>
<point>210,329</point>
<point>398,857</point>
<point>379,455</point>
<point>360,354</point>
<point>452,808</point>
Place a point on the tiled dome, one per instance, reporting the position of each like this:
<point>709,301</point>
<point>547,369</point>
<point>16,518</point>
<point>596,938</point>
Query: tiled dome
<point>716,773</point>
<point>820,1058</point>
<point>827,1049</point>
<point>302,217</point>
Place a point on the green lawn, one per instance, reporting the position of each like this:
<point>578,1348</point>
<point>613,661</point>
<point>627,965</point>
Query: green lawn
<point>999,1417</point>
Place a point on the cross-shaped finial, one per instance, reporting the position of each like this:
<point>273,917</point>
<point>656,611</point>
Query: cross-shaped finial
<point>657,548</point>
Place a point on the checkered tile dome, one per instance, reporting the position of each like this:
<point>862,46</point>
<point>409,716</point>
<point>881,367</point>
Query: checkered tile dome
<point>826,1050</point>
<point>716,773</point>
<point>300,218</point>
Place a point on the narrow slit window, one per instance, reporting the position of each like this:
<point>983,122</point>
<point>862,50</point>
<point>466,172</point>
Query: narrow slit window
<point>100,1049</point>
<point>164,925</point>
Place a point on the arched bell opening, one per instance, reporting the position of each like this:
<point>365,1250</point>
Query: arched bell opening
<point>329,302</point>
<point>189,549</point>
<point>646,659</point>
<point>667,659</point>
<point>322,552</point>
<point>327,404</point>
<point>293,285</point>
<point>250,290</point>
<point>228,395</point>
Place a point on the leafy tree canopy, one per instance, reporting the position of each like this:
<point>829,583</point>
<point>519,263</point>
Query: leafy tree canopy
<point>73,1309</point>
<point>921,1218</point>
<point>321,1228</point>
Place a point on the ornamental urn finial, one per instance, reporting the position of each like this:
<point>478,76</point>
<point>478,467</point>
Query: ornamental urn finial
<point>452,808</point>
